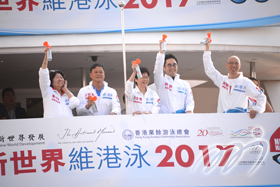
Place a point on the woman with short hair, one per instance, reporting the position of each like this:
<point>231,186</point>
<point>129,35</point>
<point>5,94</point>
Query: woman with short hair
<point>58,101</point>
<point>141,99</point>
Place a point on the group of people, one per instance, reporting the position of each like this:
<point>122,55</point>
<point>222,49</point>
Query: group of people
<point>237,94</point>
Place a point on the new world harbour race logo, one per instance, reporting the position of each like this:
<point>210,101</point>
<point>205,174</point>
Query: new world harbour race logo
<point>242,1</point>
<point>275,145</point>
<point>251,132</point>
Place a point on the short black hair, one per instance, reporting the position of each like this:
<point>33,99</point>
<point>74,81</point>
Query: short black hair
<point>7,90</point>
<point>53,74</point>
<point>94,66</point>
<point>254,79</point>
<point>143,70</point>
<point>168,56</point>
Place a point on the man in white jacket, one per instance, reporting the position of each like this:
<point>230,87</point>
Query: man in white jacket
<point>107,102</point>
<point>175,94</point>
<point>234,88</point>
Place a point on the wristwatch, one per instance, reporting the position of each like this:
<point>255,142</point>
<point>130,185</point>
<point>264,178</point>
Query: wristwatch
<point>147,112</point>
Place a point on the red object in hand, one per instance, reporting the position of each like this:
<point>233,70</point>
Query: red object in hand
<point>209,36</point>
<point>164,37</point>
<point>94,98</point>
<point>138,61</point>
<point>47,44</point>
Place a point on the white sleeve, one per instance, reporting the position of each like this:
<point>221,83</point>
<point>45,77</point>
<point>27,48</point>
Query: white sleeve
<point>156,104</point>
<point>256,93</point>
<point>189,99</point>
<point>73,102</point>
<point>116,107</point>
<point>129,90</point>
<point>158,71</point>
<point>210,70</point>
<point>44,81</point>
<point>81,109</point>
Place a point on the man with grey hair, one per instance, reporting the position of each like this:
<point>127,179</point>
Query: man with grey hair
<point>234,88</point>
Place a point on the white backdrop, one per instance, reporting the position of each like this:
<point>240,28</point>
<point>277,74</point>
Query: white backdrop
<point>101,16</point>
<point>146,150</point>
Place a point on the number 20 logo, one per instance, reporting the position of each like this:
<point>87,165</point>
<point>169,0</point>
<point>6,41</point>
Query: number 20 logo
<point>242,1</point>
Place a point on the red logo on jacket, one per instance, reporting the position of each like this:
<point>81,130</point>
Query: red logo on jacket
<point>137,100</point>
<point>225,85</point>
<point>56,99</point>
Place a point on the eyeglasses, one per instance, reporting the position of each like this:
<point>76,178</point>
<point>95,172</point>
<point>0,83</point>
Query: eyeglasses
<point>171,65</point>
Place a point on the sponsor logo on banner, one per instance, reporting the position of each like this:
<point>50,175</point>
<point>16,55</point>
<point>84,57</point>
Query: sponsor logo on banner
<point>127,134</point>
<point>251,132</point>
<point>22,140</point>
<point>242,1</point>
<point>256,149</point>
<point>161,133</point>
<point>276,158</point>
<point>275,145</point>
<point>210,131</point>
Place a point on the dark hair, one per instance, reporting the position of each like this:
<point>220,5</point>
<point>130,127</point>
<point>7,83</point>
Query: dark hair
<point>254,79</point>
<point>123,98</point>
<point>94,66</point>
<point>143,70</point>
<point>53,74</point>
<point>7,90</point>
<point>168,56</point>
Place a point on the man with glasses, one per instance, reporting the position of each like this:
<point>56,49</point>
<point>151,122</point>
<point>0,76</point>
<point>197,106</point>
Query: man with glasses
<point>234,88</point>
<point>175,94</point>
<point>10,111</point>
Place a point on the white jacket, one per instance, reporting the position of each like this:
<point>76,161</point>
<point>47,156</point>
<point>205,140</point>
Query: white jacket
<point>108,101</point>
<point>136,101</point>
<point>55,105</point>
<point>234,93</point>
<point>175,95</point>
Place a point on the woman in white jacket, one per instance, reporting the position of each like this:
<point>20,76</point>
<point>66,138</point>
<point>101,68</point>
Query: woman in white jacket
<point>141,99</point>
<point>58,101</point>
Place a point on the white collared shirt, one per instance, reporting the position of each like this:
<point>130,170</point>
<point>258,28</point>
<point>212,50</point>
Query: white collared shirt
<point>136,101</point>
<point>55,104</point>
<point>175,95</point>
<point>234,93</point>
<point>108,101</point>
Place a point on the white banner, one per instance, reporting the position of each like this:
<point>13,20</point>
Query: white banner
<point>146,150</point>
<point>32,17</point>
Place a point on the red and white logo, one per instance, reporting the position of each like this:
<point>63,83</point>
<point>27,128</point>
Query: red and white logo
<point>166,85</point>
<point>275,141</point>
<point>56,99</point>
<point>225,85</point>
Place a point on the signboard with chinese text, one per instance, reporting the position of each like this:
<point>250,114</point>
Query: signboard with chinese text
<point>33,17</point>
<point>146,150</point>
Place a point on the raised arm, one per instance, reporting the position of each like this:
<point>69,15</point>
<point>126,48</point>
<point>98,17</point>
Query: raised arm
<point>209,68</point>
<point>130,83</point>
<point>45,61</point>
<point>44,76</point>
<point>158,71</point>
